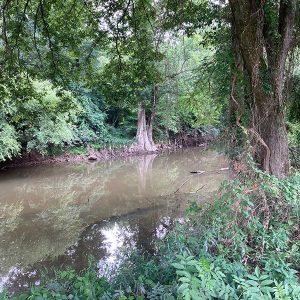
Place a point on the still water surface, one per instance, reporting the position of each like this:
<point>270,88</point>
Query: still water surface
<point>57,216</point>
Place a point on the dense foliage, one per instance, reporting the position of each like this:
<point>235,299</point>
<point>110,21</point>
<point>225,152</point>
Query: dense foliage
<point>35,115</point>
<point>40,116</point>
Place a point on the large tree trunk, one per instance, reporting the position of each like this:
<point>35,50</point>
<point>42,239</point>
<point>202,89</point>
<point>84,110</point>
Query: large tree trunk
<point>152,116</point>
<point>270,123</point>
<point>142,132</point>
<point>150,130</point>
<point>236,101</point>
<point>263,58</point>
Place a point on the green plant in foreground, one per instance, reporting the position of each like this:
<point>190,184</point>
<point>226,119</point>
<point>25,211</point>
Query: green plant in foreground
<point>200,279</point>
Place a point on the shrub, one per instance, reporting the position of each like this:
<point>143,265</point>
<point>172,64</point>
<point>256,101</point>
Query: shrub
<point>9,145</point>
<point>35,115</point>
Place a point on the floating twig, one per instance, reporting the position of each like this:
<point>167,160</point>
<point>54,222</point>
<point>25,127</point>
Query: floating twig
<point>183,184</point>
<point>200,172</point>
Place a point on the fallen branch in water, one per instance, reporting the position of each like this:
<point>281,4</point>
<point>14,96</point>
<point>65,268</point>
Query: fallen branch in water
<point>200,172</point>
<point>197,173</point>
<point>183,184</point>
<point>200,188</point>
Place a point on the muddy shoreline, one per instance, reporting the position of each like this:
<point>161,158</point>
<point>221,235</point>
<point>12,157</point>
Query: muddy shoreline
<point>35,159</point>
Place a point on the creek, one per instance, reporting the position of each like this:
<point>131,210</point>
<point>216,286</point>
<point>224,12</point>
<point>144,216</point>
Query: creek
<point>57,216</point>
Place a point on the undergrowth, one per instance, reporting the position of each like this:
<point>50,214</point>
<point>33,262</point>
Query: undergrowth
<point>244,245</point>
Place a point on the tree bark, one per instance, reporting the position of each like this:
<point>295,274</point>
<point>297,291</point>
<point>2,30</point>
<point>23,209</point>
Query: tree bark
<point>264,56</point>
<point>271,125</point>
<point>150,130</point>
<point>142,132</point>
<point>152,115</point>
<point>236,101</point>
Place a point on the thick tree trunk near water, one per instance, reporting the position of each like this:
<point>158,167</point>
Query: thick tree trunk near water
<point>150,131</point>
<point>265,57</point>
<point>152,116</point>
<point>142,131</point>
<point>236,102</point>
<point>145,129</point>
<point>277,140</point>
<point>270,123</point>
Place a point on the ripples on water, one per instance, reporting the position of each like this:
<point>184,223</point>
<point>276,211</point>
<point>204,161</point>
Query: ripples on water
<point>57,216</point>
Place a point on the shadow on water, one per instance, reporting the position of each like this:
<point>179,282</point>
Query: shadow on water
<point>58,216</point>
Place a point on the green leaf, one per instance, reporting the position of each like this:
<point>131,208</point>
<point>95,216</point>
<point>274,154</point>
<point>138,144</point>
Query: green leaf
<point>184,279</point>
<point>267,289</point>
<point>267,282</point>
<point>178,266</point>
<point>252,277</point>
<point>252,282</point>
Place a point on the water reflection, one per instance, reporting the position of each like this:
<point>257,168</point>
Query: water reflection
<point>56,216</point>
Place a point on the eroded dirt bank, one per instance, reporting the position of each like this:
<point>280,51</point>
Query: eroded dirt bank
<point>194,139</point>
<point>31,159</point>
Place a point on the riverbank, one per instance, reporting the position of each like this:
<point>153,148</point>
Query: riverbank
<point>90,155</point>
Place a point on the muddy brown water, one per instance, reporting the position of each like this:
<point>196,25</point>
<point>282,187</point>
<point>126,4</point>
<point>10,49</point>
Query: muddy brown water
<point>56,216</point>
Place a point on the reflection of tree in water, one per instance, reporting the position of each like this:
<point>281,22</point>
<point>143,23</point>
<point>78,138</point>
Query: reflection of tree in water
<point>10,217</point>
<point>144,168</point>
<point>75,256</point>
<point>146,224</point>
<point>29,232</point>
<point>39,236</point>
<point>103,241</point>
